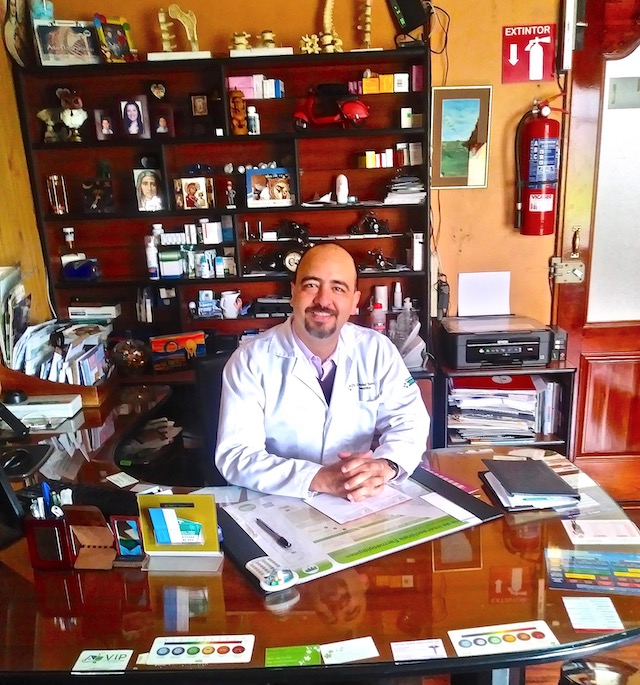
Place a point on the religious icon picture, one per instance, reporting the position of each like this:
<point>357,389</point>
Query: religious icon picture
<point>148,184</point>
<point>97,196</point>
<point>195,192</point>
<point>199,105</point>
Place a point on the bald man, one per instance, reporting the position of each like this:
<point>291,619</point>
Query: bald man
<point>301,403</point>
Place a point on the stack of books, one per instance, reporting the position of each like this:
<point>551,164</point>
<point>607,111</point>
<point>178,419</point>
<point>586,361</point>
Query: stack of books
<point>502,409</point>
<point>526,484</point>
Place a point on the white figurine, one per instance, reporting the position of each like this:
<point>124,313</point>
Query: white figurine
<point>168,38</point>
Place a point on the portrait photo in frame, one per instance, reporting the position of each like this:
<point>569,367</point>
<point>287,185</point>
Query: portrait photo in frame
<point>62,43</point>
<point>134,115</point>
<point>162,123</point>
<point>105,125</point>
<point>115,39</point>
<point>148,186</point>
<point>199,104</point>
<point>460,136</point>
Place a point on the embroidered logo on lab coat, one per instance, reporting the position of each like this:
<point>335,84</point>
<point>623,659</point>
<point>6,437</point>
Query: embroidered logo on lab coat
<point>409,382</point>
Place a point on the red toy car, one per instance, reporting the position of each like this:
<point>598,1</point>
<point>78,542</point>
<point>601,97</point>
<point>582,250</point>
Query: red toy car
<point>330,103</point>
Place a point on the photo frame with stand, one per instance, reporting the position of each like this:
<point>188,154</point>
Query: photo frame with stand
<point>105,124</point>
<point>199,104</point>
<point>460,136</point>
<point>62,43</point>
<point>134,115</point>
<point>162,122</point>
<point>115,39</point>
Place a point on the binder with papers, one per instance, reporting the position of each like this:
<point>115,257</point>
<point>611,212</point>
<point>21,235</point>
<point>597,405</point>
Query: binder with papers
<point>527,484</point>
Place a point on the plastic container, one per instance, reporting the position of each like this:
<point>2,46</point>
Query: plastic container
<point>378,318</point>
<point>397,295</point>
<point>405,323</point>
<point>253,121</point>
<point>151,253</point>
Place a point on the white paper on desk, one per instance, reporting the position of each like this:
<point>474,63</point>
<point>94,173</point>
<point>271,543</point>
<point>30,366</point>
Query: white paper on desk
<point>484,293</point>
<point>594,532</point>
<point>592,613</point>
<point>343,511</point>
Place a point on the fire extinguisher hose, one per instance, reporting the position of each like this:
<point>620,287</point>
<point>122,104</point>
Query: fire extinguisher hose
<point>519,181</point>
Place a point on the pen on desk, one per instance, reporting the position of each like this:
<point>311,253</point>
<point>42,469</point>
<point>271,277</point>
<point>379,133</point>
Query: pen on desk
<point>46,498</point>
<point>281,540</point>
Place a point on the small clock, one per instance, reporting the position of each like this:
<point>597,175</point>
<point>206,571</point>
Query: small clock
<point>291,260</point>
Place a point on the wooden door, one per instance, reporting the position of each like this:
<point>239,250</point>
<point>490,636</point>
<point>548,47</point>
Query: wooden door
<point>605,349</point>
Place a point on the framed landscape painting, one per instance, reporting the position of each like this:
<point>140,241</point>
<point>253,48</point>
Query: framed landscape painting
<point>460,136</point>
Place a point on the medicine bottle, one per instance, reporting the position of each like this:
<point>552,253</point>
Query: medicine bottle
<point>151,253</point>
<point>378,318</point>
<point>156,232</point>
<point>253,121</point>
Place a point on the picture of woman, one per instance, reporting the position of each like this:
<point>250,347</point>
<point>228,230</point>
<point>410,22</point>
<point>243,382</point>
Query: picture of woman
<point>148,190</point>
<point>132,117</point>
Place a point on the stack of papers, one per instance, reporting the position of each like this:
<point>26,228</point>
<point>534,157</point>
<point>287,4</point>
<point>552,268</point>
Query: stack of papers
<point>527,484</point>
<point>406,190</point>
<point>496,409</point>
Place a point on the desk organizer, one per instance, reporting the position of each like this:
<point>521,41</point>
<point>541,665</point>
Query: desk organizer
<point>92,395</point>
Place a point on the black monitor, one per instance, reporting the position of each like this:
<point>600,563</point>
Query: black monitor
<point>408,14</point>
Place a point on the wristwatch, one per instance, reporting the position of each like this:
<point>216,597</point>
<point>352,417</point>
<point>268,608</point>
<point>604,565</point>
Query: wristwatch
<point>394,467</point>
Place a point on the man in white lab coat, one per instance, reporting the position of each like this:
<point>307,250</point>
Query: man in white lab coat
<point>302,401</point>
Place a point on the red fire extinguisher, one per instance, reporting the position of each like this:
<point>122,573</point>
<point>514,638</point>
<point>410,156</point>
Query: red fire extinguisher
<point>537,151</point>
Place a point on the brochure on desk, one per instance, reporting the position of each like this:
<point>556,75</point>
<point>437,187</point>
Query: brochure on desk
<point>320,546</point>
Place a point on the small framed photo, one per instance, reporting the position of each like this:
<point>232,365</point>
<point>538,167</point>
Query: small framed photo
<point>97,196</point>
<point>66,42</point>
<point>104,124</point>
<point>199,105</point>
<point>115,39</point>
<point>148,183</point>
<point>269,188</point>
<point>134,114</point>
<point>162,122</point>
<point>195,192</point>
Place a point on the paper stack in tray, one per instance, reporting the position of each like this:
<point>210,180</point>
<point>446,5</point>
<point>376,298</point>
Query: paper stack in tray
<point>527,484</point>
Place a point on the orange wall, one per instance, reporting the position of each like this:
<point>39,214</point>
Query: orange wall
<point>475,230</point>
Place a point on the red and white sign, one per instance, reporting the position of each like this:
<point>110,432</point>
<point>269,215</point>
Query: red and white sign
<point>528,53</point>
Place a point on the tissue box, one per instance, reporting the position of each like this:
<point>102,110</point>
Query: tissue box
<point>175,352</point>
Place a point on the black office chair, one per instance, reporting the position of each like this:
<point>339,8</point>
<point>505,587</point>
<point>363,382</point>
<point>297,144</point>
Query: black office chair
<point>596,670</point>
<point>208,373</point>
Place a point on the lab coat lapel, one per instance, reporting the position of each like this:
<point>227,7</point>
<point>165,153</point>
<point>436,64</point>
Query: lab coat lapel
<point>295,364</point>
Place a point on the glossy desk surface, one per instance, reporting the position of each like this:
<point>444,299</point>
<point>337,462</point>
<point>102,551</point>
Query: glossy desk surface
<point>459,581</point>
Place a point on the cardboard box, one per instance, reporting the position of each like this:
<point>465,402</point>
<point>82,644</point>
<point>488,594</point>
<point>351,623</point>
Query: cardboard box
<point>370,85</point>
<point>385,83</point>
<point>175,352</point>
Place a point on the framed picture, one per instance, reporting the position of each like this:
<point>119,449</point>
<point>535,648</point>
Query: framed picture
<point>126,531</point>
<point>162,122</point>
<point>199,105</point>
<point>104,124</point>
<point>194,192</point>
<point>460,136</point>
<point>114,38</point>
<point>66,42</point>
<point>97,196</point>
<point>148,183</point>
<point>269,188</point>
<point>134,114</point>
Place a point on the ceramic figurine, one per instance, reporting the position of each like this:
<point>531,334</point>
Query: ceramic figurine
<point>238,108</point>
<point>72,114</point>
<point>50,116</point>
<point>188,20</point>
<point>266,39</point>
<point>240,41</point>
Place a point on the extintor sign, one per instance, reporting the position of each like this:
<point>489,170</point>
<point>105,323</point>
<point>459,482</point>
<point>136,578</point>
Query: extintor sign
<point>528,53</point>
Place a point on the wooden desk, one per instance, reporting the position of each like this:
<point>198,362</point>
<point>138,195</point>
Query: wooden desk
<point>459,581</point>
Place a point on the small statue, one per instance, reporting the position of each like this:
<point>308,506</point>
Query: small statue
<point>240,41</point>
<point>231,195</point>
<point>49,117</point>
<point>309,44</point>
<point>188,20</point>
<point>168,38</point>
<point>72,114</point>
<point>266,39</point>
<point>238,108</point>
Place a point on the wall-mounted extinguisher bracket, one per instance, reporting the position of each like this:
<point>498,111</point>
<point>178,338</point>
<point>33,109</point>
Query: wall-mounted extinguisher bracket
<point>537,154</point>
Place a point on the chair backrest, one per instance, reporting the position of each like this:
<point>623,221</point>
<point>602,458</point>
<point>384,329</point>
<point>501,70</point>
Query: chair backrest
<point>208,373</point>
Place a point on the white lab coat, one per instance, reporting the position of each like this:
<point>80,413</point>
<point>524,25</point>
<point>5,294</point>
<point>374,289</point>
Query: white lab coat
<point>276,429</point>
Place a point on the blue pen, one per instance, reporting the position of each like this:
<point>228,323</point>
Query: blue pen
<point>46,496</point>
